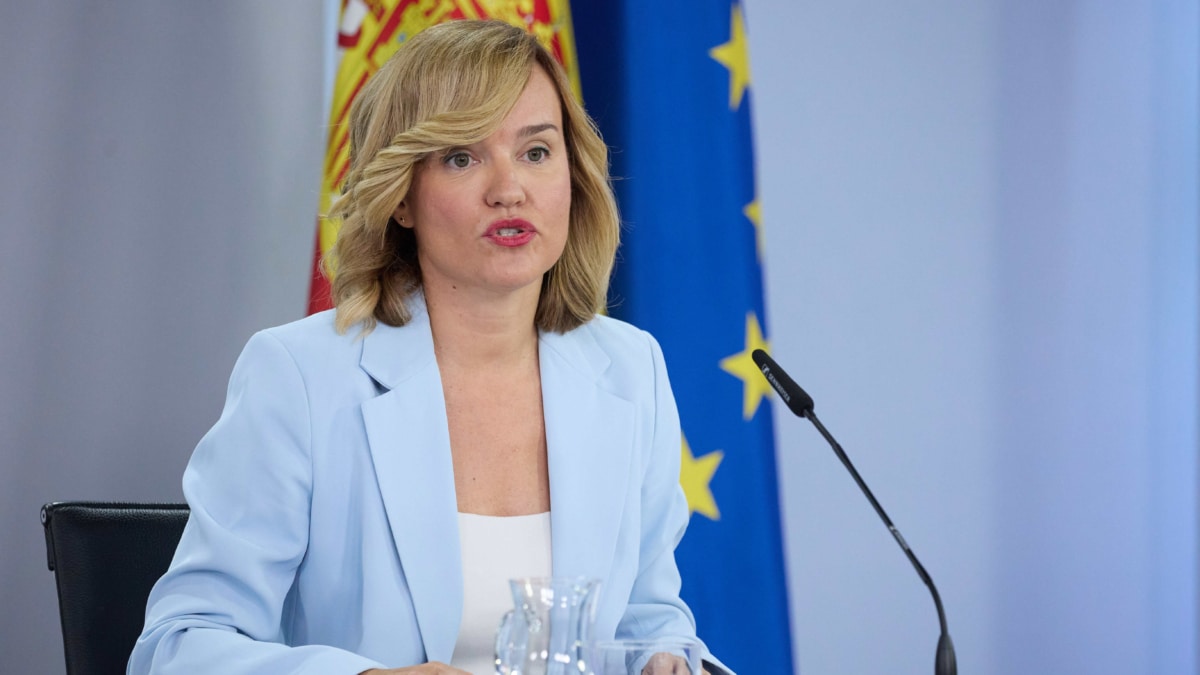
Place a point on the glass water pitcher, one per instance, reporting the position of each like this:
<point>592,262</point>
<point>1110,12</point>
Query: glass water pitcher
<point>549,628</point>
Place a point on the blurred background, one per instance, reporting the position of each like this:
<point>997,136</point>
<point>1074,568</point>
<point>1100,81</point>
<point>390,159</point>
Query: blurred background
<point>981,260</point>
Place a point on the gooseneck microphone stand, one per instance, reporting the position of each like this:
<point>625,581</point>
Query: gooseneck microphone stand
<point>800,403</point>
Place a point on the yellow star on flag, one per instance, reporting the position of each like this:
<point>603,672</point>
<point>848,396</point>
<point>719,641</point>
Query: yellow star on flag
<point>754,215</point>
<point>695,476</point>
<point>735,56</point>
<point>742,366</point>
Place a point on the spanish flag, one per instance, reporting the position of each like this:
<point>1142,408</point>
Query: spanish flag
<point>369,32</point>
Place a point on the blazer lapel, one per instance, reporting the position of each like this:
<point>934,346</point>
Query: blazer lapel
<point>410,448</point>
<point>589,439</point>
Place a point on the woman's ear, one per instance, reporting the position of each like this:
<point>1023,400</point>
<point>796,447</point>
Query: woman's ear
<point>400,215</point>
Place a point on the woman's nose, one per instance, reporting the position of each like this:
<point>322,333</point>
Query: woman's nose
<point>505,188</point>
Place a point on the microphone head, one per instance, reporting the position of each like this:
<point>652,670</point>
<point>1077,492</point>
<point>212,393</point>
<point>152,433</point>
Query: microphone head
<point>797,400</point>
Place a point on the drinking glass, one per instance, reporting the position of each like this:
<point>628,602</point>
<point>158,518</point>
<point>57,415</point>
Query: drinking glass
<point>661,656</point>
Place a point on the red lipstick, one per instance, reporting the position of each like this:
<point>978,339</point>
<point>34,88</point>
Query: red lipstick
<point>510,232</point>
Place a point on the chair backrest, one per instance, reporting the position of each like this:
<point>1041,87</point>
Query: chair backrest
<point>105,558</point>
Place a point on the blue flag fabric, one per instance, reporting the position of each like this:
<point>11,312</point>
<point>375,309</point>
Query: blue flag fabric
<point>669,84</point>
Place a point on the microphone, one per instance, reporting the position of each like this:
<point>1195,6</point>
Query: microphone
<point>800,403</point>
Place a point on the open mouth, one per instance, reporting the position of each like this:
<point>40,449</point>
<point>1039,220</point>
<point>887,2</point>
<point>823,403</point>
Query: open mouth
<point>511,232</point>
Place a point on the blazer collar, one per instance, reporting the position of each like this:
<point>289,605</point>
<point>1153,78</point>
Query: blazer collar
<point>392,355</point>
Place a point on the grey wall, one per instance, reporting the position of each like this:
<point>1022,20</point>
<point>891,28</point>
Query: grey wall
<point>982,253</point>
<point>159,170</point>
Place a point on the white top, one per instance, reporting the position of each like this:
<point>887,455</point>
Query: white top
<point>494,550</point>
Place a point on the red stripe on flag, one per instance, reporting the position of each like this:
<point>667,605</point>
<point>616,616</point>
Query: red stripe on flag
<point>320,296</point>
<point>386,32</point>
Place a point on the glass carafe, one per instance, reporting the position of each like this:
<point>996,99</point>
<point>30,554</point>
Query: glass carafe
<point>549,627</point>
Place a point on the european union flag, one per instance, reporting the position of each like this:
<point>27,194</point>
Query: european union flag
<point>669,85</point>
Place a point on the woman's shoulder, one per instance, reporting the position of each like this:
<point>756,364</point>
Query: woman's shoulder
<point>621,350</point>
<point>312,328</point>
<point>310,336</point>
<point>616,335</point>
<point>311,343</point>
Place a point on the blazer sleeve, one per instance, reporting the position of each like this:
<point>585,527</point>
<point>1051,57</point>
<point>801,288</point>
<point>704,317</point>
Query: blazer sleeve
<point>655,607</point>
<point>223,604</point>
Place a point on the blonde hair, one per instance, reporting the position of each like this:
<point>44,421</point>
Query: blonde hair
<point>450,85</point>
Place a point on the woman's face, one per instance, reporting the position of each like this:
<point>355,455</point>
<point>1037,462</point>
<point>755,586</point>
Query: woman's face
<point>492,217</point>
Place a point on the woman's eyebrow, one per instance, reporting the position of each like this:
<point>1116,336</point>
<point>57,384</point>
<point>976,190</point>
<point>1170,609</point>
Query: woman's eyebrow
<point>534,129</point>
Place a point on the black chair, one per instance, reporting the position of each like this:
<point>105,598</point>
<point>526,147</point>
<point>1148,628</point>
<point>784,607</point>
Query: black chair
<point>105,558</point>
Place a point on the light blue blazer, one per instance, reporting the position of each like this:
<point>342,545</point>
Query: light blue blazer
<point>323,535</point>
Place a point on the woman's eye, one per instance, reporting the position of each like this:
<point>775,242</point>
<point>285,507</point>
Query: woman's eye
<point>458,160</point>
<point>537,154</point>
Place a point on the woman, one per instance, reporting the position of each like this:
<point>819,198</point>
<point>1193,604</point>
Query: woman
<point>462,417</point>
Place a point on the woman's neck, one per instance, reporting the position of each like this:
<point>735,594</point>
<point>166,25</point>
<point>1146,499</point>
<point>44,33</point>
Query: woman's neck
<point>473,332</point>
